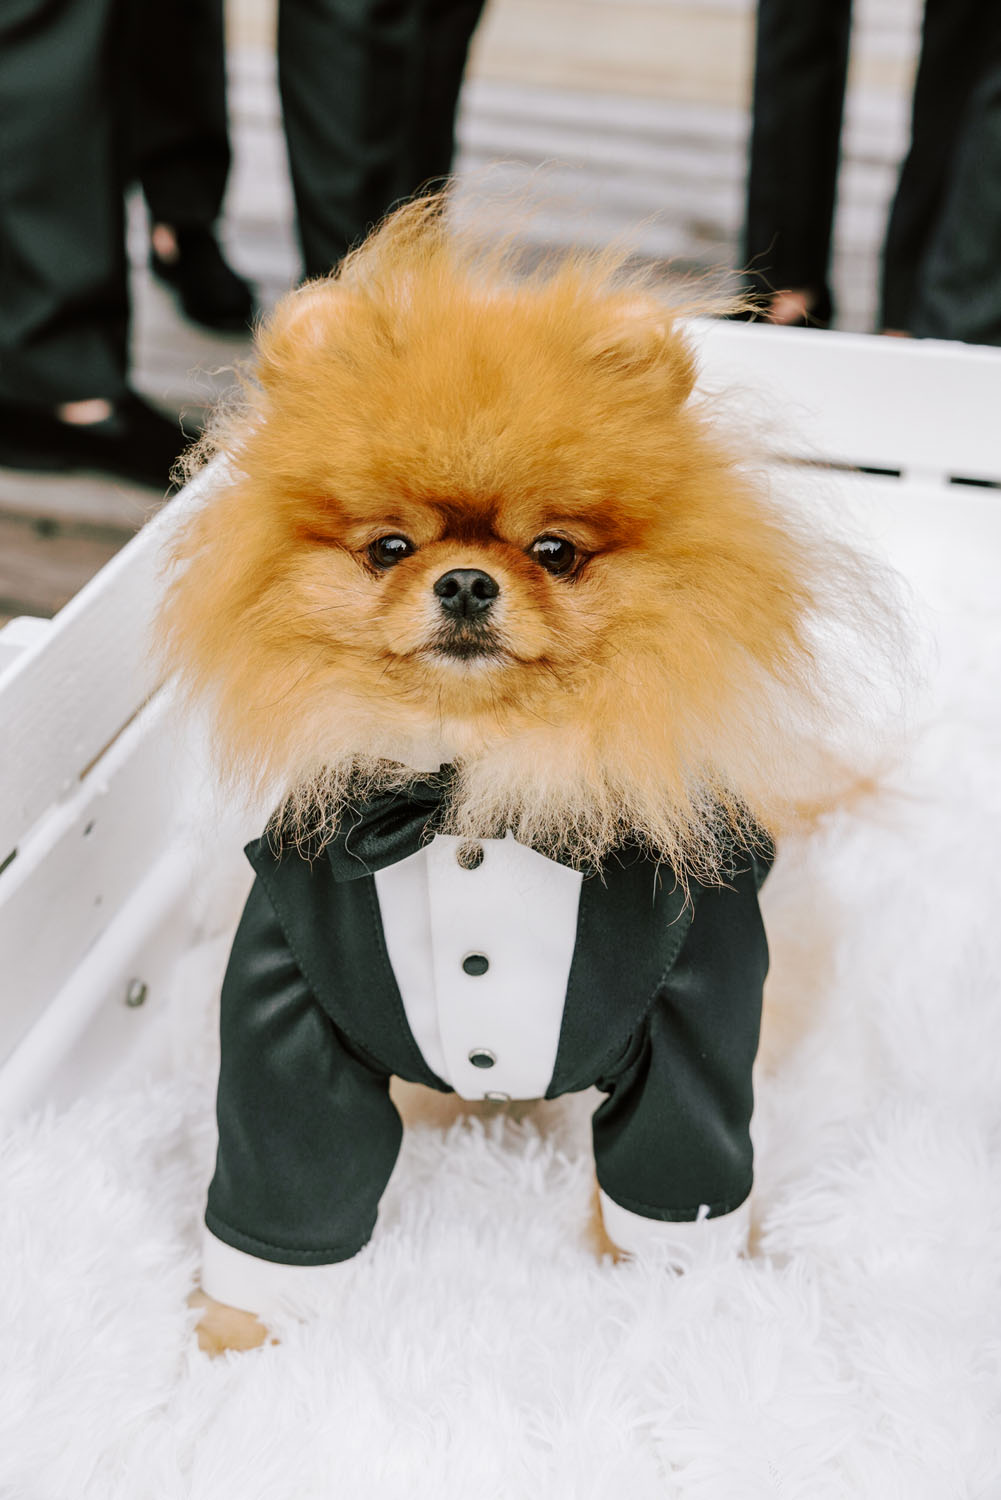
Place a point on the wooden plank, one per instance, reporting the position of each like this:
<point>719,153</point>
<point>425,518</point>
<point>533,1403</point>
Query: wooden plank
<point>875,126</point>
<point>928,408</point>
<point>19,634</point>
<point>89,1027</point>
<point>699,52</point>
<point>944,541</point>
<point>43,564</point>
<point>97,501</point>
<point>78,868</point>
<point>64,701</point>
<point>660,122</point>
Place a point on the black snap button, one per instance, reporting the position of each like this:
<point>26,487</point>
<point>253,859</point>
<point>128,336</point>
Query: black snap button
<point>470,856</point>
<point>481,1058</point>
<point>476,963</point>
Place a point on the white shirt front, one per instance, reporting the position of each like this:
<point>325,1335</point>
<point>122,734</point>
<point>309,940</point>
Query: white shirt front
<point>513,917</point>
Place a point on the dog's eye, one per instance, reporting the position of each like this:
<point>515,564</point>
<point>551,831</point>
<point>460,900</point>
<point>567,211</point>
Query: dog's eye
<point>555,553</point>
<point>387,550</point>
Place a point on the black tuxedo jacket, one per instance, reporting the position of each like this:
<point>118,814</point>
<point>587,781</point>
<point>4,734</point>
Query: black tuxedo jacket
<point>662,1014</point>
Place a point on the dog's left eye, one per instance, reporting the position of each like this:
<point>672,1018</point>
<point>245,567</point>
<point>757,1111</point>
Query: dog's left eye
<point>388,550</point>
<point>555,553</point>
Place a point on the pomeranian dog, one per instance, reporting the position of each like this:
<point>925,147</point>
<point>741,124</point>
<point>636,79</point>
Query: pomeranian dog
<point>534,669</point>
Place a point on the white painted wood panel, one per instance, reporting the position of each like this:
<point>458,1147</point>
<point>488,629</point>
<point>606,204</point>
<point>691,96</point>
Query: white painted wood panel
<point>19,635</point>
<point>929,409</point>
<point>87,1028</point>
<point>65,699</point>
<point>83,861</point>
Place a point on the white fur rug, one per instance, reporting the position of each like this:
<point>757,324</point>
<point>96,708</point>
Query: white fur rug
<point>482,1349</point>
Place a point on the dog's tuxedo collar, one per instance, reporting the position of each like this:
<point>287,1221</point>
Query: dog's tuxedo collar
<point>379,831</point>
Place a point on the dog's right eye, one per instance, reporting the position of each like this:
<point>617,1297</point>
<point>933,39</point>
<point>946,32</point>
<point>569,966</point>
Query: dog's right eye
<point>555,554</point>
<point>389,550</point>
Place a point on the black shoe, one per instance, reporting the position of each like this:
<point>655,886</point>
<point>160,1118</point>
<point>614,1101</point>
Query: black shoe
<point>136,442</point>
<point>209,290</point>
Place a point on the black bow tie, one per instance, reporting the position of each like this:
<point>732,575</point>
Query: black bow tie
<point>394,825</point>
<point>389,827</point>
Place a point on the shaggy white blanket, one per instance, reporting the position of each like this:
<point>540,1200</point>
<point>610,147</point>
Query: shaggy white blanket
<point>482,1349</point>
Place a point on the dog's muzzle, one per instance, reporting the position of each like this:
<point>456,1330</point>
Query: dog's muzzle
<point>466,597</point>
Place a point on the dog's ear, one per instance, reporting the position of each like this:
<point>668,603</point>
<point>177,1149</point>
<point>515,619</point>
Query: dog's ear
<point>640,337</point>
<point>304,322</point>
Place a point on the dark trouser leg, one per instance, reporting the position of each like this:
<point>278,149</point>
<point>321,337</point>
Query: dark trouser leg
<point>63,290</point>
<point>801,63</point>
<point>450,26</point>
<point>958,295</point>
<point>959,39</point>
<point>176,127</point>
<point>368,92</point>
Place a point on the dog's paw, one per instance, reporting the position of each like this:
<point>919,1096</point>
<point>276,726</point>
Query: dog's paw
<point>221,1328</point>
<point>598,1239</point>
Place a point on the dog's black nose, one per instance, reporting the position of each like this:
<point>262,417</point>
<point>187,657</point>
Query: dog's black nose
<point>466,592</point>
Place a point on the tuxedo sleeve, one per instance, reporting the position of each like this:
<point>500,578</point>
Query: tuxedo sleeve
<point>308,1135</point>
<point>672,1140</point>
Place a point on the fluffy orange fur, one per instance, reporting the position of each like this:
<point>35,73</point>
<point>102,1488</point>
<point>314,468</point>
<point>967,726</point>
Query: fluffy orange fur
<point>681,684</point>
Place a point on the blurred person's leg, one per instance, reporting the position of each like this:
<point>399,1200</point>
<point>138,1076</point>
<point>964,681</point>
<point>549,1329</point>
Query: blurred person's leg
<point>63,293</point>
<point>448,30</point>
<point>958,295</point>
<point>178,138</point>
<point>960,38</point>
<point>64,397</point>
<point>368,91</point>
<point>178,134</point>
<point>801,63</point>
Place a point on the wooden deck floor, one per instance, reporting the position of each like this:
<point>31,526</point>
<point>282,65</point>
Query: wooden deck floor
<point>623,116</point>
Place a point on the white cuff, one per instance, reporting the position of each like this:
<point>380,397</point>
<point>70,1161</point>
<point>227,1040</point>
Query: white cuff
<point>266,1287</point>
<point>684,1244</point>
